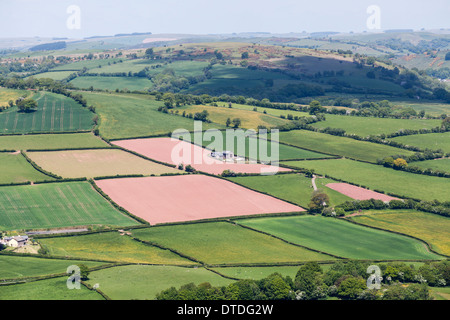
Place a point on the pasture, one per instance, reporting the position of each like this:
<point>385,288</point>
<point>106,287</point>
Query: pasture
<point>347,147</point>
<point>96,163</point>
<point>56,205</point>
<point>55,113</point>
<point>433,141</point>
<point>342,238</point>
<point>14,168</point>
<point>11,94</point>
<point>430,227</point>
<point>189,197</point>
<point>112,83</point>
<point>225,243</point>
<point>435,165</point>
<point>55,75</point>
<point>269,111</point>
<point>378,177</point>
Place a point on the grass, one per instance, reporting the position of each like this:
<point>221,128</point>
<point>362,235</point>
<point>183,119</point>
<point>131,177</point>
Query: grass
<point>112,83</point>
<point>257,273</point>
<point>269,111</point>
<point>55,113</point>
<point>433,141</point>
<point>14,168</point>
<point>430,227</point>
<point>11,94</point>
<point>145,282</point>
<point>128,115</point>
<point>111,246</point>
<point>435,165</point>
<point>56,205</point>
<point>295,188</point>
<point>342,238</point>
<point>365,126</point>
<point>50,289</point>
<point>57,75</point>
<point>378,177</point>
<point>221,242</point>
<point>96,163</point>
<point>51,141</point>
<point>347,147</point>
<point>89,64</point>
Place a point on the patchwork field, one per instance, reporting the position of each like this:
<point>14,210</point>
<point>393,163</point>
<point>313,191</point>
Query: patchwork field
<point>51,141</point>
<point>342,238</point>
<point>347,147</point>
<point>359,193</point>
<point>433,141</point>
<point>189,197</point>
<point>430,227</point>
<point>96,163</point>
<point>378,177</point>
<point>15,168</point>
<point>55,113</point>
<point>56,205</point>
<point>222,242</point>
<point>295,188</point>
<point>180,152</point>
<point>111,246</point>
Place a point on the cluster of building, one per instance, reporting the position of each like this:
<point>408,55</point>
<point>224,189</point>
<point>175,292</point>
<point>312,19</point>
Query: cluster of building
<point>225,156</point>
<point>14,241</point>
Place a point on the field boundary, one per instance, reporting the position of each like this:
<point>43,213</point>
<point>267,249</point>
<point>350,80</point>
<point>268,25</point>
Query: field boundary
<point>38,168</point>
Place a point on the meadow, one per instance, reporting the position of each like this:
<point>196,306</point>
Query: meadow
<point>377,177</point>
<point>56,205</point>
<point>435,165</point>
<point>11,94</point>
<point>432,228</point>
<point>55,75</point>
<point>269,111</point>
<point>89,64</point>
<point>55,113</point>
<point>433,141</point>
<point>112,83</point>
<point>347,147</point>
<point>225,243</point>
<point>14,168</point>
<point>295,188</point>
<point>342,238</point>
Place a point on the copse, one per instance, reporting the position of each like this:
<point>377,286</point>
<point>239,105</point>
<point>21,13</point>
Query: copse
<point>26,105</point>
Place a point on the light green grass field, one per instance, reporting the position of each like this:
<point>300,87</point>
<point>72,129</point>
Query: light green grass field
<point>342,238</point>
<point>433,141</point>
<point>111,246</point>
<point>11,94</point>
<point>145,282</point>
<point>347,147</point>
<point>57,75</point>
<point>435,165</point>
<point>292,187</point>
<point>89,64</point>
<point>269,111</point>
<point>96,163</point>
<point>56,205</point>
<point>257,272</point>
<point>378,177</point>
<point>112,83</point>
<point>223,242</point>
<point>430,227</point>
<point>51,141</point>
<point>15,168</point>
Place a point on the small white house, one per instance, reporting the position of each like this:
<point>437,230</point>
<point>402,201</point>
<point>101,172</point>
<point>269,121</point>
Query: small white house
<point>16,241</point>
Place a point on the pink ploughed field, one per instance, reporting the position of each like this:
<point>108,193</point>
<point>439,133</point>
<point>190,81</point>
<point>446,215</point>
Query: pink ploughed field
<point>168,149</point>
<point>189,197</point>
<point>358,193</point>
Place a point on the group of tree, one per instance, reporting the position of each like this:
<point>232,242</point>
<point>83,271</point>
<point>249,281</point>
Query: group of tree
<point>348,280</point>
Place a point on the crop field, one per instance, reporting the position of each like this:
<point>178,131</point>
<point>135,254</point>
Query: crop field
<point>222,242</point>
<point>435,165</point>
<point>347,147</point>
<point>432,228</point>
<point>56,205</point>
<point>189,197</point>
<point>55,113</point>
<point>56,75</point>
<point>433,141</point>
<point>365,126</point>
<point>144,282</point>
<point>358,193</point>
<point>342,238</point>
<point>127,116</point>
<point>295,188</point>
<point>111,246</point>
<point>112,83</point>
<point>96,163</point>
<point>375,177</point>
<point>51,141</point>
<point>14,168</point>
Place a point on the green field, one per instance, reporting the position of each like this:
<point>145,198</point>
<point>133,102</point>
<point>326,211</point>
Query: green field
<point>89,64</point>
<point>57,75</point>
<point>347,147</point>
<point>433,141</point>
<point>144,282</point>
<point>342,238</point>
<point>378,177</point>
<point>11,94</point>
<point>257,272</point>
<point>56,205</point>
<point>430,227</point>
<point>112,83</point>
<point>435,165</point>
<point>51,141</point>
<point>365,126</point>
<point>15,168</point>
<point>96,163</point>
<point>222,242</point>
<point>295,188</point>
<point>127,115</point>
<point>111,246</point>
<point>55,113</point>
<point>50,289</point>
<point>269,111</point>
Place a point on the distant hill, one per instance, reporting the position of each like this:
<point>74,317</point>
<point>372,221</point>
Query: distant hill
<point>49,46</point>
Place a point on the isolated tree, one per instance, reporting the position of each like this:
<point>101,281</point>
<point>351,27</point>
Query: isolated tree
<point>400,163</point>
<point>228,122</point>
<point>319,200</point>
<point>149,52</point>
<point>244,55</point>
<point>315,107</point>
<point>27,105</point>
<point>84,272</point>
<point>236,122</point>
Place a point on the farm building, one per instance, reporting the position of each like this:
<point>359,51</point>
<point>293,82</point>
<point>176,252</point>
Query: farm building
<point>222,155</point>
<point>16,241</point>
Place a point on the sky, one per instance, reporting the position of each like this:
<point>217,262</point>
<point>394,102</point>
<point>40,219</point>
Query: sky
<point>51,18</point>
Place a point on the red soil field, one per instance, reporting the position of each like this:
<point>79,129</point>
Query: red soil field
<point>161,149</point>
<point>358,193</point>
<point>189,197</point>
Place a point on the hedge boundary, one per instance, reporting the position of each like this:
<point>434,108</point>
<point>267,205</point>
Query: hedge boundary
<point>38,168</point>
